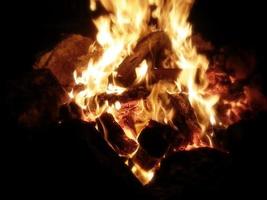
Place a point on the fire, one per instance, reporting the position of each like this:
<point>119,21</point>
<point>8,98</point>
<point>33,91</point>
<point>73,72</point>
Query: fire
<point>143,175</point>
<point>119,31</point>
<point>141,71</point>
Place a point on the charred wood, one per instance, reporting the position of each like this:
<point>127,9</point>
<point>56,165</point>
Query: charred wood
<point>184,119</point>
<point>154,141</point>
<point>63,59</point>
<point>131,94</point>
<point>155,138</point>
<point>115,135</point>
<point>152,43</point>
<point>166,74</point>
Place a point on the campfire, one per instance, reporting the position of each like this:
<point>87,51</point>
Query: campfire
<point>148,84</point>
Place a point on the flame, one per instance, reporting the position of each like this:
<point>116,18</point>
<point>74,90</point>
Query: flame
<point>173,19</point>
<point>141,72</point>
<point>92,5</point>
<point>144,176</point>
<point>118,33</point>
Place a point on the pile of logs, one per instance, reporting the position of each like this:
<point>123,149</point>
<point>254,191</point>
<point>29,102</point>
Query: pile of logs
<point>74,52</point>
<point>115,135</point>
<point>39,100</point>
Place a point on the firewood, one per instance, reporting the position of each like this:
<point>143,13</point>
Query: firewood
<point>155,138</point>
<point>138,91</point>
<point>241,103</point>
<point>184,120</point>
<point>144,159</point>
<point>150,44</point>
<point>154,141</point>
<point>165,59</point>
<point>63,58</point>
<point>115,135</point>
<point>133,93</point>
<point>219,81</point>
<point>167,74</point>
<point>126,116</point>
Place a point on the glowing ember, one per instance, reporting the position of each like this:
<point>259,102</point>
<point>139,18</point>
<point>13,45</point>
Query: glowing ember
<point>120,35</point>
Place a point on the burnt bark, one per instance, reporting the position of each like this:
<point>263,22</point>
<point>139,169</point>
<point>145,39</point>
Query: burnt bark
<point>166,74</point>
<point>184,119</point>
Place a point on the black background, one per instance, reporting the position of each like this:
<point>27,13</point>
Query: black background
<point>30,28</point>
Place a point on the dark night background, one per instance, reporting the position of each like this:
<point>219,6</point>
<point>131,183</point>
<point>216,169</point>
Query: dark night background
<point>31,28</point>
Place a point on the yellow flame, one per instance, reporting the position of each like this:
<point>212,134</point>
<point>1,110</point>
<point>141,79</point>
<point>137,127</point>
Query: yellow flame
<point>71,95</point>
<point>173,18</point>
<point>92,4</point>
<point>143,176</point>
<point>114,89</point>
<point>118,33</point>
<point>117,105</point>
<point>141,72</point>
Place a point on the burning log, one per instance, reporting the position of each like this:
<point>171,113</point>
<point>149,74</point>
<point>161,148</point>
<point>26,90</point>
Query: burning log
<point>62,60</point>
<point>139,91</point>
<point>115,135</point>
<point>184,120</point>
<point>133,93</point>
<point>169,74</point>
<point>241,104</point>
<point>155,138</point>
<point>150,44</point>
<point>126,116</point>
<point>154,143</point>
<point>219,81</point>
<point>35,99</point>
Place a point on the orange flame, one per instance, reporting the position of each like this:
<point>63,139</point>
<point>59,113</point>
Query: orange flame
<point>118,33</point>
